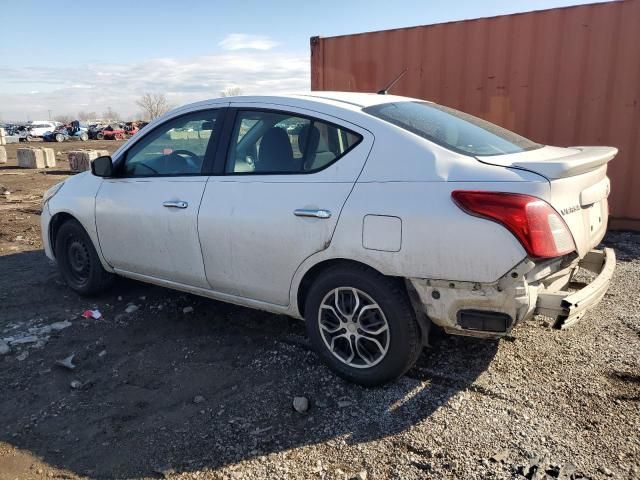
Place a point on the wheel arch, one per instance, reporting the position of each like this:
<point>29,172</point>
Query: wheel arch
<point>55,223</point>
<point>312,273</point>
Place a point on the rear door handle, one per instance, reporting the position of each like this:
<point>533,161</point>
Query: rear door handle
<point>304,212</point>
<point>175,204</point>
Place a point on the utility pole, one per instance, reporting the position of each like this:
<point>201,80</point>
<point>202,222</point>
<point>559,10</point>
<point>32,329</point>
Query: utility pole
<point>49,115</point>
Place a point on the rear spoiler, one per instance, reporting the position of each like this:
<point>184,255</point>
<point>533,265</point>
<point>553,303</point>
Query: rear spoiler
<point>585,160</point>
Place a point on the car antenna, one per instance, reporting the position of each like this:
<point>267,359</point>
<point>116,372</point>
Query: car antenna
<point>385,90</point>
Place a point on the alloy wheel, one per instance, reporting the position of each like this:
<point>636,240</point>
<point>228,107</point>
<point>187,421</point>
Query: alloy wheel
<point>353,327</point>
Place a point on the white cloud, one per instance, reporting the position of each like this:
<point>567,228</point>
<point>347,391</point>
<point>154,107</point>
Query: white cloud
<point>241,41</point>
<point>29,92</point>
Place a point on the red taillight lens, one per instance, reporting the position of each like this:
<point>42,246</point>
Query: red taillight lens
<point>538,227</point>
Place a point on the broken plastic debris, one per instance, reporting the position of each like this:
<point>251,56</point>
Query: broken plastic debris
<point>23,340</point>
<point>95,314</point>
<point>67,362</point>
<point>60,325</point>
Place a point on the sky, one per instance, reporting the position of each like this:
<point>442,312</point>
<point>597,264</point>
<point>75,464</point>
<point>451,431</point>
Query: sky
<point>90,56</point>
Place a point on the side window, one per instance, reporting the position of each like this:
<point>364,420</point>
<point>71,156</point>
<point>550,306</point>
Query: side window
<point>274,143</point>
<point>177,147</point>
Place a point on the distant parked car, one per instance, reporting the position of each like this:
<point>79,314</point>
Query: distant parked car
<point>74,131</point>
<point>38,129</point>
<point>24,133</point>
<point>380,217</point>
<point>113,131</point>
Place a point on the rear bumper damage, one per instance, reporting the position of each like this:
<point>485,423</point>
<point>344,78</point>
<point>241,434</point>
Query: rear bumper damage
<point>491,310</point>
<point>567,307</point>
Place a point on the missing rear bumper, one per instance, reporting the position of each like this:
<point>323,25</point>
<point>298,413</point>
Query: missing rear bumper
<point>566,307</point>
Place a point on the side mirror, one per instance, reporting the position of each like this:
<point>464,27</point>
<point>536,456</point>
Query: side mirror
<point>102,167</point>
<point>206,125</point>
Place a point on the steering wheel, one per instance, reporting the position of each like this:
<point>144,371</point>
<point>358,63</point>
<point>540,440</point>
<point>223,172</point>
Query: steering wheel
<point>190,158</point>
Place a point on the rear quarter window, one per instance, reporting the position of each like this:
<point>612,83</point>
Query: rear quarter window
<point>452,129</point>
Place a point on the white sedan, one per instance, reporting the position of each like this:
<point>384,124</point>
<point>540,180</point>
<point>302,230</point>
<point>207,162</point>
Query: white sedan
<point>372,217</point>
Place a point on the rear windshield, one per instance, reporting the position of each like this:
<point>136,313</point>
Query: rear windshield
<point>455,130</point>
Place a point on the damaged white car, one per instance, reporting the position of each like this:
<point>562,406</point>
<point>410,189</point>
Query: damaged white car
<point>371,217</point>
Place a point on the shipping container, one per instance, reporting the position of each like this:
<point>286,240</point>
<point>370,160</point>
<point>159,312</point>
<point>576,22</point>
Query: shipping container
<point>566,76</point>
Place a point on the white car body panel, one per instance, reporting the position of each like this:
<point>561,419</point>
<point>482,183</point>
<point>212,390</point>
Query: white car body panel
<point>77,197</point>
<point>157,241</point>
<point>239,241</point>
<point>262,242</point>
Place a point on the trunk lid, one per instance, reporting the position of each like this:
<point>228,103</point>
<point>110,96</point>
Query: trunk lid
<point>579,186</point>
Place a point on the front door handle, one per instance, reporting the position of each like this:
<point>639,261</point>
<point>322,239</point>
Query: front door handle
<point>175,204</point>
<point>304,212</point>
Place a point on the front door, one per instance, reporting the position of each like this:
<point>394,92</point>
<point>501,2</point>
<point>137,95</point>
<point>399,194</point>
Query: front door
<point>147,216</point>
<point>287,176</point>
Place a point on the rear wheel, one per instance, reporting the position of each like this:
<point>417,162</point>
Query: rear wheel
<point>99,136</point>
<point>59,138</point>
<point>362,325</point>
<point>84,137</point>
<point>78,260</point>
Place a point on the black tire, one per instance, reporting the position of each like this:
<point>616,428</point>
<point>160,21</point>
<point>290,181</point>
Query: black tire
<point>404,341</point>
<point>78,260</point>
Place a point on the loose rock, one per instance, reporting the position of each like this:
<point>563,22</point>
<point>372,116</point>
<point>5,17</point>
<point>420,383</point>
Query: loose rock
<point>76,384</point>
<point>131,308</point>
<point>198,399</point>
<point>4,348</point>
<point>300,404</point>
<point>187,310</point>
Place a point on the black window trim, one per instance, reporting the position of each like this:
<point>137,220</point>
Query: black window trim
<point>209,156</point>
<point>230,120</point>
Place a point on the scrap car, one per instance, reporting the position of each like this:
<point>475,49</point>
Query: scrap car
<point>374,218</point>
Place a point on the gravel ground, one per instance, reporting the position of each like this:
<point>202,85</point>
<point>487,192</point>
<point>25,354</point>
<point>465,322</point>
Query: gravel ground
<point>184,387</point>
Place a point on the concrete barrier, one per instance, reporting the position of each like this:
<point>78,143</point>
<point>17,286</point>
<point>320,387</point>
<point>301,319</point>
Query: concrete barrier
<point>80,160</point>
<point>177,135</point>
<point>30,158</point>
<point>3,155</point>
<point>49,157</point>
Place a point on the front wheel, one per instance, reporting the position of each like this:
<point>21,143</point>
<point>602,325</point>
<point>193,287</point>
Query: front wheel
<point>59,138</point>
<point>362,325</point>
<point>84,137</point>
<point>78,260</point>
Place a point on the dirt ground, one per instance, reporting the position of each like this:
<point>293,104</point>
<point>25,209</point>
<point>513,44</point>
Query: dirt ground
<point>185,387</point>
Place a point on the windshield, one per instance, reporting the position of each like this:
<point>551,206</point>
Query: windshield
<point>455,130</point>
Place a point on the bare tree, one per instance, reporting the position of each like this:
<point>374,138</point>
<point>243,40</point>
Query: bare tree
<point>110,115</point>
<point>153,105</point>
<point>63,118</point>
<point>231,92</point>
<point>84,116</point>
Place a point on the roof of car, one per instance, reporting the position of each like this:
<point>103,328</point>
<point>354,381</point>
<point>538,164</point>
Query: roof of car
<point>346,100</point>
<point>353,100</point>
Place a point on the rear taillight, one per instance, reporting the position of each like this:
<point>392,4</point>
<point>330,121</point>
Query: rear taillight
<point>539,228</point>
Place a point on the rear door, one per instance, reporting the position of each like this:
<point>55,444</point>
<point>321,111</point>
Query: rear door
<point>147,215</point>
<point>287,175</point>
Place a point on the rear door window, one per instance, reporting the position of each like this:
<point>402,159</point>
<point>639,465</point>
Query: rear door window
<point>268,142</point>
<point>452,129</point>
